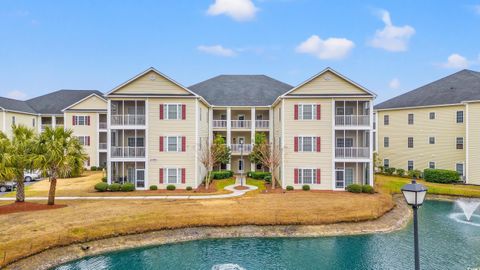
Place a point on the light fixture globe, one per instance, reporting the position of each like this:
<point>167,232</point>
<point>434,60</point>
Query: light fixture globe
<point>414,193</point>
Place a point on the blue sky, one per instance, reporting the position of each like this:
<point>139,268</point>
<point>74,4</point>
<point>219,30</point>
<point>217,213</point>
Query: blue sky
<point>389,47</point>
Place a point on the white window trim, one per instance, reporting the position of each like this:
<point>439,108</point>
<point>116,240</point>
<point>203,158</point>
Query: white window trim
<point>387,116</point>
<point>434,165</point>
<point>314,143</point>
<point>463,167</point>
<point>463,117</point>
<point>434,115</point>
<point>388,139</point>
<point>463,143</point>
<point>386,159</point>
<point>178,175</point>
<point>178,142</point>
<point>408,164</point>
<point>314,111</point>
<point>408,119</point>
<point>300,176</point>
<point>338,138</point>
<point>84,138</point>
<point>77,120</point>
<point>179,111</point>
<point>434,140</point>
<point>408,142</point>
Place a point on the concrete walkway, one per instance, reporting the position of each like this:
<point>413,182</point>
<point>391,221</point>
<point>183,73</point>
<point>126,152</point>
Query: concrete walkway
<point>235,193</point>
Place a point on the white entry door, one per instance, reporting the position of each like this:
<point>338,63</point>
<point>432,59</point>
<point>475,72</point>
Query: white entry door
<point>339,178</point>
<point>140,178</point>
<point>348,176</point>
<point>240,165</point>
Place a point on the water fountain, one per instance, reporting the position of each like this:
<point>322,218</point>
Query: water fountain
<point>468,207</point>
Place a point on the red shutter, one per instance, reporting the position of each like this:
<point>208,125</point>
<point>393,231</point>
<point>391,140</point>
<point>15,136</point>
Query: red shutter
<point>161,111</point>
<point>183,175</point>
<point>88,140</point>
<point>319,176</point>
<point>184,143</point>
<point>160,176</point>
<point>296,177</point>
<point>295,144</point>
<point>88,120</point>
<point>184,109</point>
<point>74,122</point>
<point>319,144</point>
<point>160,143</point>
<point>319,112</point>
<point>296,112</point>
<point>88,161</point>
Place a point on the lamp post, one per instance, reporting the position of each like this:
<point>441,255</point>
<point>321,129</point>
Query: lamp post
<point>415,195</point>
<point>243,165</point>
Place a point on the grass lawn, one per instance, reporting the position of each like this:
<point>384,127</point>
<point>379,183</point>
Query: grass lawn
<point>260,184</point>
<point>393,184</point>
<point>30,232</point>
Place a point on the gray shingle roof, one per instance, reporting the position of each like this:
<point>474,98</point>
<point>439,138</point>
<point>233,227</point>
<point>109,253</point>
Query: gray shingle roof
<point>55,102</point>
<point>240,90</point>
<point>15,105</point>
<point>460,86</point>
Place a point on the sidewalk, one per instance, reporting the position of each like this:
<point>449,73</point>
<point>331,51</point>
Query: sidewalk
<point>235,193</point>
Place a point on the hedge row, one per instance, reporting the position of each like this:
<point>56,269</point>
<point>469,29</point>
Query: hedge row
<point>260,175</point>
<point>102,187</point>
<point>441,176</point>
<point>222,174</point>
<point>400,172</point>
<point>356,188</point>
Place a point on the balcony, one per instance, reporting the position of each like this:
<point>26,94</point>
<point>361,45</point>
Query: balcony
<point>219,123</point>
<point>128,152</point>
<point>128,120</point>
<point>262,124</point>
<point>102,125</point>
<point>237,148</point>
<point>352,120</point>
<point>241,124</point>
<point>102,146</point>
<point>44,126</point>
<point>352,152</point>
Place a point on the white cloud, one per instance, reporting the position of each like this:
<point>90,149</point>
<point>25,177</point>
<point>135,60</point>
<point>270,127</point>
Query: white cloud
<point>394,83</point>
<point>330,48</point>
<point>456,61</point>
<point>239,10</point>
<point>217,50</point>
<point>392,38</point>
<point>16,94</point>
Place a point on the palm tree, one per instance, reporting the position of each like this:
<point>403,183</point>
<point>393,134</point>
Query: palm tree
<point>6,171</point>
<point>20,156</point>
<point>59,155</point>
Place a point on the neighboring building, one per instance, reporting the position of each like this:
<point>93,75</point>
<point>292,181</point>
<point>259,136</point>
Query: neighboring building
<point>434,126</point>
<point>57,109</point>
<point>157,128</point>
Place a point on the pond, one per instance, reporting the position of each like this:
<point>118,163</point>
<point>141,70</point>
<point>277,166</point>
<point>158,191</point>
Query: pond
<point>447,241</point>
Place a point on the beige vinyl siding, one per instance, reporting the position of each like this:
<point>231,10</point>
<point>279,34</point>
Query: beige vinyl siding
<point>328,83</point>
<point>2,128</point>
<point>157,128</point>
<point>91,103</point>
<point>473,169</point>
<point>20,119</point>
<point>318,128</point>
<point>91,130</point>
<point>145,85</point>
<point>444,128</point>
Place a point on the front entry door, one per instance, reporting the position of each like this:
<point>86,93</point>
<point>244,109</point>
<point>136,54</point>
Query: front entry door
<point>140,180</point>
<point>339,178</point>
<point>240,165</point>
<point>348,176</point>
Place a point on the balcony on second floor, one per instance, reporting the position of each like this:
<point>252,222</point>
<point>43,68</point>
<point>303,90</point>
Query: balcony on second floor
<point>127,113</point>
<point>241,148</point>
<point>354,114</point>
<point>127,144</point>
<point>241,118</point>
<point>352,144</point>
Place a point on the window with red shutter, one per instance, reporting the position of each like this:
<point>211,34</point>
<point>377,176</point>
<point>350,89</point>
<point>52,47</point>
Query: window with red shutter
<point>296,177</point>
<point>319,112</point>
<point>319,144</point>
<point>295,114</point>
<point>183,175</point>
<point>88,120</point>
<point>160,143</point>
<point>184,111</point>
<point>295,146</point>
<point>184,143</point>
<point>161,111</point>
<point>319,176</point>
<point>160,177</point>
<point>88,140</point>
<point>74,120</point>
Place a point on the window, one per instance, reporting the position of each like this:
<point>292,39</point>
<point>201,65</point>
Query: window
<point>459,142</point>
<point>307,144</point>
<point>173,175</point>
<point>344,142</point>
<point>173,111</point>
<point>386,141</point>
<point>13,120</point>
<point>33,122</point>
<point>410,142</point>
<point>410,118</point>
<point>307,111</point>
<point>138,142</point>
<point>431,165</point>
<point>459,116</point>
<point>307,176</point>
<point>386,163</point>
<point>459,168</point>
<point>84,140</point>
<point>432,116</point>
<point>386,120</point>
<point>410,165</point>
<point>174,144</point>
<point>345,110</point>
<point>81,120</point>
<point>431,140</point>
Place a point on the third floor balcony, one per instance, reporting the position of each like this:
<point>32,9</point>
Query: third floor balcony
<point>127,113</point>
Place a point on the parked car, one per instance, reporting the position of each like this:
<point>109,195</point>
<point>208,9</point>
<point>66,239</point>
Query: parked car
<point>32,176</point>
<point>7,186</point>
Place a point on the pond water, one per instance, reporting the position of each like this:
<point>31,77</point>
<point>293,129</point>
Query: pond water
<point>447,241</point>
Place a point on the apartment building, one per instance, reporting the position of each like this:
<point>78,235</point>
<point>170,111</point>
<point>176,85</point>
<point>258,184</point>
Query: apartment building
<point>83,111</point>
<point>433,126</point>
<point>157,128</point>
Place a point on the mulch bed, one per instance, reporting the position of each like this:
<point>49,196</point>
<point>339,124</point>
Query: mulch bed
<point>27,207</point>
<point>278,189</point>
<point>241,188</point>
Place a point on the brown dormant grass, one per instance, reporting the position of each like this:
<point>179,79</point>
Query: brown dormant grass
<point>30,232</point>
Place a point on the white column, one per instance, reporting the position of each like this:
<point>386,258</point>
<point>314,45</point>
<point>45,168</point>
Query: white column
<point>109,138</point>
<point>229,133</point>
<point>210,125</point>
<point>54,121</point>
<point>270,125</point>
<point>370,137</point>
<point>252,134</point>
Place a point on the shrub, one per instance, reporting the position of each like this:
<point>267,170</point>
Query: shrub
<point>93,168</point>
<point>401,172</point>
<point>440,176</point>
<point>102,186</point>
<point>171,187</point>
<point>415,173</point>
<point>259,175</point>
<point>381,169</point>
<point>306,187</point>
<point>389,171</point>
<point>114,187</point>
<point>289,187</point>
<point>268,178</point>
<point>104,179</point>
<point>368,189</point>
<point>153,187</point>
<point>222,174</point>
<point>354,188</point>
<point>189,188</point>
<point>128,187</point>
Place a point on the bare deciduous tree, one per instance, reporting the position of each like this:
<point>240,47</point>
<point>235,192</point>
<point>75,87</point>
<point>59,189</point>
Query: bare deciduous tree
<point>269,156</point>
<point>211,155</point>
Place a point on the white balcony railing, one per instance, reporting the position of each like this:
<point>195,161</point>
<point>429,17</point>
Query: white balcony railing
<point>102,125</point>
<point>352,120</point>
<point>118,151</point>
<point>128,120</point>
<point>262,123</point>
<point>102,146</point>
<point>219,123</point>
<point>44,126</point>
<point>241,124</point>
<point>352,152</point>
<point>237,148</point>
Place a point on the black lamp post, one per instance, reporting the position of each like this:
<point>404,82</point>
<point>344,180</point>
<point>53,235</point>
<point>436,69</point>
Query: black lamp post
<point>415,195</point>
